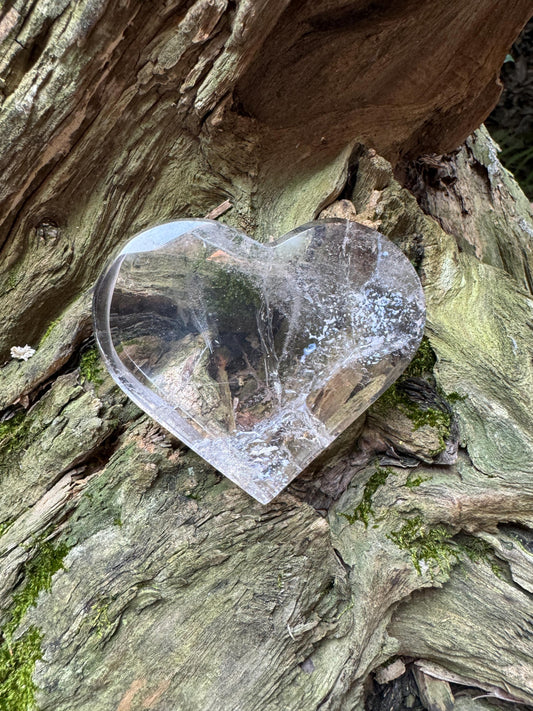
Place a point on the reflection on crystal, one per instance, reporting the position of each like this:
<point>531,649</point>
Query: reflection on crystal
<point>258,356</point>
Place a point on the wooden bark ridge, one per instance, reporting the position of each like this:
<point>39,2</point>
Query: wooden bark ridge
<point>133,575</point>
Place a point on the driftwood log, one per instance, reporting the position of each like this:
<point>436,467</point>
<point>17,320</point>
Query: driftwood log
<point>397,571</point>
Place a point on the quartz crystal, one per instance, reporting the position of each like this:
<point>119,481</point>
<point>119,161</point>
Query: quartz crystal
<point>258,356</point>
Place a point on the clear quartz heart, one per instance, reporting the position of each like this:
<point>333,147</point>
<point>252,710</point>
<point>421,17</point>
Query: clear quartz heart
<point>258,356</point>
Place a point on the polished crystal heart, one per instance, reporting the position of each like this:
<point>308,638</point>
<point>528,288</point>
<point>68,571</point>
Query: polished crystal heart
<point>258,356</point>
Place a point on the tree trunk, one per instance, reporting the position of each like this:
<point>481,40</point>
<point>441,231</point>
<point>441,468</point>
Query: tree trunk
<point>134,576</point>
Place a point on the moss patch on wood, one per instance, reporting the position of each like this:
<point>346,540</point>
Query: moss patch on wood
<point>431,547</point>
<point>5,525</point>
<point>426,546</point>
<point>423,362</point>
<point>48,331</point>
<point>364,510</point>
<point>100,617</point>
<point>13,432</point>
<point>440,420</point>
<point>418,398</point>
<point>18,656</point>
<point>17,662</point>
<point>91,367</point>
<point>479,551</point>
<point>38,574</point>
<point>414,480</point>
<point>454,397</point>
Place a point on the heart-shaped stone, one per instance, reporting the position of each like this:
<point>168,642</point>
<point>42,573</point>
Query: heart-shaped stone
<point>258,356</point>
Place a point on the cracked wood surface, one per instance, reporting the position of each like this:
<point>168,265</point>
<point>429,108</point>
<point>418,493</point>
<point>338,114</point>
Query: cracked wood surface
<point>178,590</point>
<point>116,115</point>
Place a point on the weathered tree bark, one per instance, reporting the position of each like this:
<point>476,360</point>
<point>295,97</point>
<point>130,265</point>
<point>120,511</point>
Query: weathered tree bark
<point>133,575</point>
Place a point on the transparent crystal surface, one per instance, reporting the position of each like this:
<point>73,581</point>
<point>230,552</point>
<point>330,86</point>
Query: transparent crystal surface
<point>258,356</point>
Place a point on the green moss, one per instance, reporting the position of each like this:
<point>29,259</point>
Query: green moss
<point>232,292</point>
<point>17,662</point>
<point>364,510</point>
<point>8,427</point>
<point>100,617</point>
<point>391,398</point>
<point>423,362</point>
<point>479,551</point>
<point>91,367</point>
<point>414,480</point>
<point>431,416</point>
<point>435,547</point>
<point>476,549</point>
<point>38,574</point>
<point>18,657</point>
<point>454,397</point>
<point>431,546</point>
<point>48,331</point>
<point>395,397</point>
<point>5,525</point>
<point>419,416</point>
<point>13,432</point>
